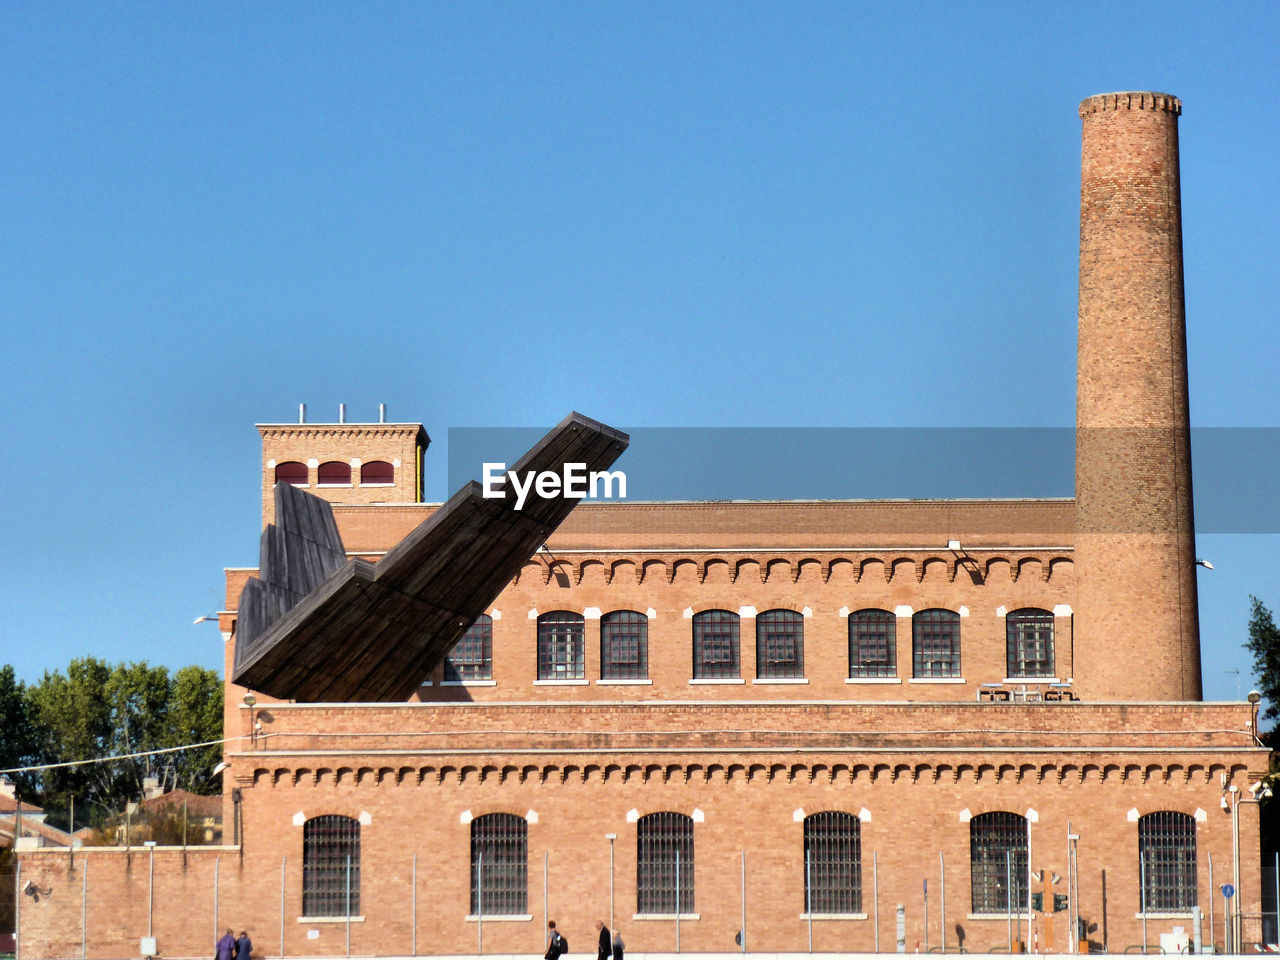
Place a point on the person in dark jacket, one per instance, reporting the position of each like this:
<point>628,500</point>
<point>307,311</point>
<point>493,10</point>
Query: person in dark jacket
<point>244,947</point>
<point>605,950</point>
<point>226,949</point>
<point>618,945</point>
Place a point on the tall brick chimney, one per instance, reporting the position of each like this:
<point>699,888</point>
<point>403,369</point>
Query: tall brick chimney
<point>1136,631</point>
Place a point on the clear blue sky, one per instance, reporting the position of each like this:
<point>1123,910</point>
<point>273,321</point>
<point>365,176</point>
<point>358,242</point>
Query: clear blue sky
<point>704,214</point>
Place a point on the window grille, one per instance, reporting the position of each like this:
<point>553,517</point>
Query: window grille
<point>935,643</point>
<point>664,846</point>
<point>291,471</point>
<point>998,862</point>
<point>472,656</point>
<point>715,645</point>
<point>329,887</point>
<point>1029,643</point>
<point>499,865</point>
<point>624,646</point>
<point>333,471</point>
<point>873,644</point>
<point>833,863</point>
<point>779,644</point>
<point>1167,852</point>
<point>377,471</point>
<point>561,646</point>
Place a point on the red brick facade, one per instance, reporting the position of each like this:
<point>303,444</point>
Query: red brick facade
<point>912,751</point>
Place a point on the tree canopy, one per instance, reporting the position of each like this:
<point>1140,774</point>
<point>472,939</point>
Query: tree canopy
<point>1264,644</point>
<point>96,710</point>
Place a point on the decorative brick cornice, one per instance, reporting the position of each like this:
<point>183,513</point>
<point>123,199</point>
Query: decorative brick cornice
<point>1131,100</point>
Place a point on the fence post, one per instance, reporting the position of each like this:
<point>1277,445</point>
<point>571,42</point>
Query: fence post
<point>283,863</point>
<point>413,929</point>
<point>942,899</point>
<point>875,894</point>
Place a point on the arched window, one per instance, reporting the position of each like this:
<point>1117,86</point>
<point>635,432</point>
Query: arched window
<point>832,863</point>
<point>472,656</point>
<point>331,867</point>
<point>377,471</point>
<point>779,644</point>
<point>561,646</point>
<point>624,646</point>
<point>499,865</point>
<point>715,645</point>
<point>1167,861</point>
<point>873,644</point>
<point>291,471</point>
<point>334,471</point>
<point>664,864</point>
<point>1029,643</point>
<point>998,862</point>
<point>935,643</point>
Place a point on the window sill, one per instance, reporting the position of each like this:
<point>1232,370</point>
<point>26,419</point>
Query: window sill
<point>468,683</point>
<point>1031,680</point>
<point>937,680</point>
<point>625,683</point>
<point>560,683</point>
<point>713,680</point>
<point>1165,915</point>
<point>665,916</point>
<point>780,680</point>
<point>997,916</point>
<point>331,919</point>
<point>833,916</point>
<point>500,917</point>
<point>344,486</point>
<point>873,680</point>
<point>363,484</point>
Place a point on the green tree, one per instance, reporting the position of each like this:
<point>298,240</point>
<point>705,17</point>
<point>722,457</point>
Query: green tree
<point>17,737</point>
<point>1264,644</point>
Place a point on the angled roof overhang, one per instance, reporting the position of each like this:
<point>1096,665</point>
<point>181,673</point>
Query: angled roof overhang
<point>317,627</point>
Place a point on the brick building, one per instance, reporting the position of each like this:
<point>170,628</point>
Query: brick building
<point>825,726</point>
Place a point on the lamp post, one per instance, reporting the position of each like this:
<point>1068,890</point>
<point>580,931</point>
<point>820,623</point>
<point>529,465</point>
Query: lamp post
<point>611,837</point>
<point>249,701</point>
<point>1258,792</point>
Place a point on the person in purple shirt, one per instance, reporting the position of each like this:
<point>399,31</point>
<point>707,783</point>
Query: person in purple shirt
<point>226,949</point>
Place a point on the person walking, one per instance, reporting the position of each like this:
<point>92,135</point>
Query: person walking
<point>226,948</point>
<point>618,945</point>
<point>605,948</point>
<point>556,944</point>
<point>244,946</point>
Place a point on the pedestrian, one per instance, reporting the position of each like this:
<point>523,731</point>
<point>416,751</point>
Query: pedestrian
<point>605,948</point>
<point>556,944</point>
<point>618,945</point>
<point>226,948</point>
<point>244,947</point>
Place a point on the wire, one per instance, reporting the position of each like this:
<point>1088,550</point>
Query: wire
<point>123,756</point>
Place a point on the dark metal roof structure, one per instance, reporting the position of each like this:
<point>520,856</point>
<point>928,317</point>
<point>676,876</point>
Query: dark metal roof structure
<point>317,627</point>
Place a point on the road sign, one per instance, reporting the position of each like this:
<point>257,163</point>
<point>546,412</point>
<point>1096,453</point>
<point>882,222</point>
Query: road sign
<point>1228,891</point>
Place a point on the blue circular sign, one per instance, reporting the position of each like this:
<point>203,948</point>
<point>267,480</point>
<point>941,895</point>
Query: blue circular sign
<point>1228,891</point>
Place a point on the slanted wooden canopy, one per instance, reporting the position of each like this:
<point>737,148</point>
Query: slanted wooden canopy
<point>317,627</point>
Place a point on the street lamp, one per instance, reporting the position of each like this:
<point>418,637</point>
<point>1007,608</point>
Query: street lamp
<point>249,701</point>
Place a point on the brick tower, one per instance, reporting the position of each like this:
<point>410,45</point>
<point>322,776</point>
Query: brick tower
<point>1136,623</point>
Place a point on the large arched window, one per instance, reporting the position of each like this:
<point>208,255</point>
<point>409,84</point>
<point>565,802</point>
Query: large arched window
<point>664,864</point>
<point>334,471</point>
<point>624,646</point>
<point>873,644</point>
<point>715,645</point>
<point>832,863</point>
<point>935,643</point>
<point>998,862</point>
<point>1167,861</point>
<point>561,646</point>
<point>499,865</point>
<point>291,471</point>
<point>779,645</point>
<point>331,867</point>
<point>472,656</point>
<point>1029,643</point>
<point>376,472</point>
